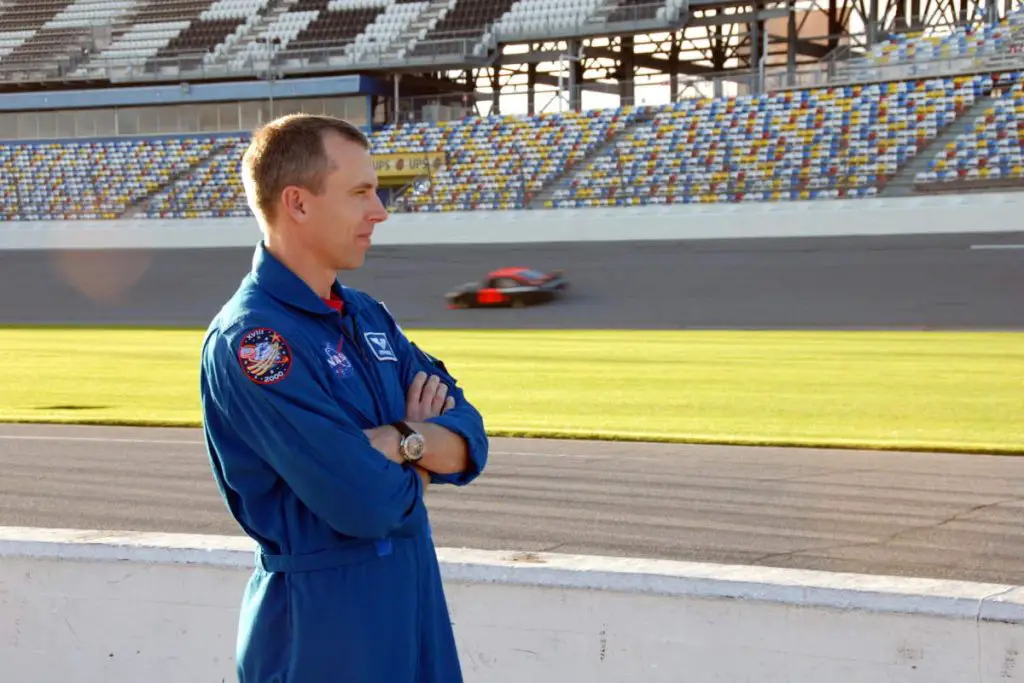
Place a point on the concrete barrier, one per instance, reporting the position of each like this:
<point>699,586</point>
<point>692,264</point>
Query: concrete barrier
<point>989,212</point>
<point>93,606</point>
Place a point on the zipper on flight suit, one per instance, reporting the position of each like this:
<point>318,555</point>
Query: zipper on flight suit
<point>373,382</point>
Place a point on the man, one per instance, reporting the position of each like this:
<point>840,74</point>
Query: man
<point>325,425</point>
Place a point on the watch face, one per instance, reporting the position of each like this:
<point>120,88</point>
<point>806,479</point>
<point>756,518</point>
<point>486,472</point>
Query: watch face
<point>413,446</point>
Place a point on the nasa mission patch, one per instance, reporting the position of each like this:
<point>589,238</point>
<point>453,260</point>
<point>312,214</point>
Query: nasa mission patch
<point>338,362</point>
<point>264,356</point>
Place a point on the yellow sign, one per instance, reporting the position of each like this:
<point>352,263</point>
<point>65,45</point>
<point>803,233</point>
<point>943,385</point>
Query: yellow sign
<point>407,165</point>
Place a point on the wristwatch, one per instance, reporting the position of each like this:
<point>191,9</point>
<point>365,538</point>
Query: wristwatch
<point>411,446</point>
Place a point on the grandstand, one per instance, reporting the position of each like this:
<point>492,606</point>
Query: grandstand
<point>990,150</point>
<point>140,108</point>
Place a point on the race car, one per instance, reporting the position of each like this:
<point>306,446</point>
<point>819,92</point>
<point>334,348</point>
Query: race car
<point>509,287</point>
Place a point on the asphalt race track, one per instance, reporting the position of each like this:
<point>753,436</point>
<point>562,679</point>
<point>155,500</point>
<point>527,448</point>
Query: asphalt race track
<point>929,515</point>
<point>913,282</point>
<point>933,515</point>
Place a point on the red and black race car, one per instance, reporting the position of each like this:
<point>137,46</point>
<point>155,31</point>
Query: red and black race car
<point>509,287</point>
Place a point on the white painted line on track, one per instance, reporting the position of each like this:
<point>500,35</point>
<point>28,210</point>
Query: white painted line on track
<point>589,456</point>
<point>97,439</point>
<point>100,439</point>
<point>996,246</point>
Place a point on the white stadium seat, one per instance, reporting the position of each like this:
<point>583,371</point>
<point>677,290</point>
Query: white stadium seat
<point>538,16</point>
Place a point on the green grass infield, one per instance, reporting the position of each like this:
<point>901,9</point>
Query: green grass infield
<point>939,391</point>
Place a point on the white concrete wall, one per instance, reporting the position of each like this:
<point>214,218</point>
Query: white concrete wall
<point>912,215</point>
<point>91,607</point>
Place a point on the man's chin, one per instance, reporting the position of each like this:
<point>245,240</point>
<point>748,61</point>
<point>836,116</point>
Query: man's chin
<point>353,262</point>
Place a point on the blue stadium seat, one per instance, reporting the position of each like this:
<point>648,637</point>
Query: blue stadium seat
<point>991,148</point>
<point>797,145</point>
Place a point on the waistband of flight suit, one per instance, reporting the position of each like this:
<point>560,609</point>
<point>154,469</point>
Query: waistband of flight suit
<point>324,559</point>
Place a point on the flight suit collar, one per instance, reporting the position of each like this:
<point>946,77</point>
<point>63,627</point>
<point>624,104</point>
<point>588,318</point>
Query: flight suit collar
<point>277,280</point>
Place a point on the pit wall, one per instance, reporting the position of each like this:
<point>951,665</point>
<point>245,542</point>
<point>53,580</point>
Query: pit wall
<point>993,212</point>
<point>122,608</point>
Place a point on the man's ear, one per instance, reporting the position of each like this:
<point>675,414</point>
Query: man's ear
<point>293,203</point>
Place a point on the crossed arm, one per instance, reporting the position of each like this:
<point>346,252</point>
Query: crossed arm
<point>446,452</point>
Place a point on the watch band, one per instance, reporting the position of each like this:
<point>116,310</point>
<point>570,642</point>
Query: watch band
<point>403,428</point>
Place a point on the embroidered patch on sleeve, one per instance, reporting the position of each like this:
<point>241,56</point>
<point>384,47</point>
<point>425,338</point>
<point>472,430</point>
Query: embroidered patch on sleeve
<point>380,346</point>
<point>265,356</point>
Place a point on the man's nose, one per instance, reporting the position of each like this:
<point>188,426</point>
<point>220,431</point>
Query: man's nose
<point>379,212</point>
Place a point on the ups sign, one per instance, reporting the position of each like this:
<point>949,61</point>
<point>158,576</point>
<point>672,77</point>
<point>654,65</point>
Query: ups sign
<point>408,164</point>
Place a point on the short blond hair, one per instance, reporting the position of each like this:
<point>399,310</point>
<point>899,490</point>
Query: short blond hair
<point>290,151</point>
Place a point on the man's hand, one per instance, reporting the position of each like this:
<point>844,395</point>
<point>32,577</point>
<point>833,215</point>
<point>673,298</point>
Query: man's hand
<point>427,397</point>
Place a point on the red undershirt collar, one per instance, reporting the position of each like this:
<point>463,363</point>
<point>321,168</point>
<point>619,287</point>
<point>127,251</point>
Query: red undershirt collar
<point>334,302</point>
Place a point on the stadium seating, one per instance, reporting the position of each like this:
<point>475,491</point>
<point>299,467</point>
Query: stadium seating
<point>499,162</point>
<point>29,15</point>
<point>158,11</point>
<point>140,31</point>
<point>42,36</point>
<point>491,159</point>
<point>338,24</point>
<point>811,144</point>
<point>539,16</point>
<point>644,10</point>
<point>213,190</point>
<point>960,42</point>
<point>318,32</point>
<point>232,18</point>
<point>386,28</point>
<point>86,13</point>
<point>90,179</point>
<point>279,31</point>
<point>150,36</point>
<point>466,21</point>
<point>201,36</point>
<point>136,45</point>
<point>991,149</point>
<point>12,39</point>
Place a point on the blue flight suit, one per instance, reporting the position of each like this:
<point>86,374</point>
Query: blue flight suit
<point>346,587</point>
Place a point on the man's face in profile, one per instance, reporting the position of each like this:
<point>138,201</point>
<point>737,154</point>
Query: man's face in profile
<point>341,219</point>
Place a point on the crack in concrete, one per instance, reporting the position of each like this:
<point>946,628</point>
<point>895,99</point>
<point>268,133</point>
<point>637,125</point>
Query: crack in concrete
<point>817,475</point>
<point>553,548</point>
<point>773,557</point>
